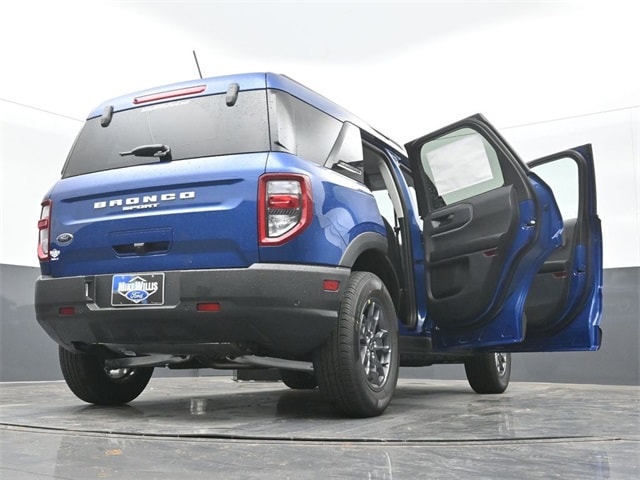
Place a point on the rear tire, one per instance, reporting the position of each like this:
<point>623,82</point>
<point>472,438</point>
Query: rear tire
<point>357,367</point>
<point>297,380</point>
<point>489,372</point>
<point>91,382</point>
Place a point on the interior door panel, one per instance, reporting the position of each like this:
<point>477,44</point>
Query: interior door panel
<point>503,270</point>
<point>564,304</point>
<point>487,230</point>
<point>465,259</point>
<point>550,287</point>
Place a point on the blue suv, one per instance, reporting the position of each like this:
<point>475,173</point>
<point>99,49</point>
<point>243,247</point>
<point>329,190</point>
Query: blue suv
<point>246,221</point>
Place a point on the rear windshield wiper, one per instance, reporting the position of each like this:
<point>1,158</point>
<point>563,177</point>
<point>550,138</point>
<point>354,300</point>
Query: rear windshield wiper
<point>163,152</point>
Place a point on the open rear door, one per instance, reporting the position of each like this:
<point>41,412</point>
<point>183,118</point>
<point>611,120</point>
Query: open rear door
<point>564,305</point>
<point>489,226</point>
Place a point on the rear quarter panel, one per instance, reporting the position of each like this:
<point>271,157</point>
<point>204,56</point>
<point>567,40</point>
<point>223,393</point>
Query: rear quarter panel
<point>342,210</point>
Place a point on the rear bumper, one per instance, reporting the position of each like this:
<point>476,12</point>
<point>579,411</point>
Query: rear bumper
<point>282,309</point>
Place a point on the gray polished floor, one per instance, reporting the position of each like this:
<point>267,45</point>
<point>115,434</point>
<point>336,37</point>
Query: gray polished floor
<point>213,427</point>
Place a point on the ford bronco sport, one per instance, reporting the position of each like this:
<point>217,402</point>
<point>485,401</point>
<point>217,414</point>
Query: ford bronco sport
<point>246,221</point>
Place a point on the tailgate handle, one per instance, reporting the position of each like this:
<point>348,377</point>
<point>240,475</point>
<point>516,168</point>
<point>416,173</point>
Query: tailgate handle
<point>141,242</point>
<point>141,248</point>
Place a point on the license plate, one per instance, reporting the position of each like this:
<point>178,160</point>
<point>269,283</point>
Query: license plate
<point>137,290</point>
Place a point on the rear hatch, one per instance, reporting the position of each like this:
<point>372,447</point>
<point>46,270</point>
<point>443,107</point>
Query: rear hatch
<point>165,180</point>
<point>190,214</point>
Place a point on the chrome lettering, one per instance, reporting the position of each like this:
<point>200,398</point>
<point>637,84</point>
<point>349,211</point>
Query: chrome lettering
<point>146,201</point>
<point>139,207</point>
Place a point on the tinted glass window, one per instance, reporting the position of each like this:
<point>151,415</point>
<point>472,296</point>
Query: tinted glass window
<point>194,127</point>
<point>562,176</point>
<point>300,129</point>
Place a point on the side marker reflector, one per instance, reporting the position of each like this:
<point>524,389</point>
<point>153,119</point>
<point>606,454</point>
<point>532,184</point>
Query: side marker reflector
<point>208,307</point>
<point>331,285</point>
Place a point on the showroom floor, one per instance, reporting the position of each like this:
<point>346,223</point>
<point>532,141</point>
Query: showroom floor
<point>213,427</point>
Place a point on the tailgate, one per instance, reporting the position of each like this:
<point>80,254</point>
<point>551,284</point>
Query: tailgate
<point>188,214</point>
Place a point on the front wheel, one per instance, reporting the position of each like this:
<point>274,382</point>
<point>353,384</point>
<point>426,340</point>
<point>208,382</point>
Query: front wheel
<point>489,372</point>
<point>357,367</point>
<point>90,381</point>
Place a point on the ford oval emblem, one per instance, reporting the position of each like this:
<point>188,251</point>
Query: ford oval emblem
<point>64,239</point>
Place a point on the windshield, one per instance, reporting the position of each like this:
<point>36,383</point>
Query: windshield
<point>191,128</point>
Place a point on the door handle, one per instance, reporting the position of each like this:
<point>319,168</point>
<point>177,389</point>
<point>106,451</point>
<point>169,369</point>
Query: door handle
<point>442,221</point>
<point>452,218</point>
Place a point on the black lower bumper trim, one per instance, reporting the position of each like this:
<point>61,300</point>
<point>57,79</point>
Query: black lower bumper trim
<point>281,308</point>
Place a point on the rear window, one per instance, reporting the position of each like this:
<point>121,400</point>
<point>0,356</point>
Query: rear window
<point>193,127</point>
<point>206,127</point>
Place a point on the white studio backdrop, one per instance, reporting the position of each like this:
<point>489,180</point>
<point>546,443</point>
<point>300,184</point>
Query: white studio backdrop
<point>549,75</point>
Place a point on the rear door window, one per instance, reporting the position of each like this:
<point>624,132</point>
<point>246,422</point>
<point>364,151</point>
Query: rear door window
<point>461,165</point>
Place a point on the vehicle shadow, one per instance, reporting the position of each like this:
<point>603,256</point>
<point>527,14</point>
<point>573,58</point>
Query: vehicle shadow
<point>270,398</point>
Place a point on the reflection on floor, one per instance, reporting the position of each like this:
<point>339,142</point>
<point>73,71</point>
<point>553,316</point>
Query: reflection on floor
<point>213,427</point>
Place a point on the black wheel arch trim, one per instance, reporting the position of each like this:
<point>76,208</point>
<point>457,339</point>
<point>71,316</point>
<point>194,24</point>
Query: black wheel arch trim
<point>374,241</point>
<point>363,242</point>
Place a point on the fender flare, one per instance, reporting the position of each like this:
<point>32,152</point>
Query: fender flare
<point>363,242</point>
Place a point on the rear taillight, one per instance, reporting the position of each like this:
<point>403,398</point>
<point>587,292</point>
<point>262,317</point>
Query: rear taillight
<point>284,207</point>
<point>44,227</point>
